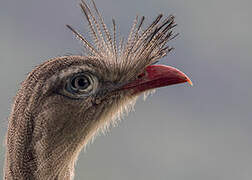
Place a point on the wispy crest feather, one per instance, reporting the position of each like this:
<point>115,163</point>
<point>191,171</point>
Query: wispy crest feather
<point>142,48</point>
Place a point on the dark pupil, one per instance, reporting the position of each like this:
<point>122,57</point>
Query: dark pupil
<point>80,82</point>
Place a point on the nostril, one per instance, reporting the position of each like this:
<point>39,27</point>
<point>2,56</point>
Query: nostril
<point>141,75</point>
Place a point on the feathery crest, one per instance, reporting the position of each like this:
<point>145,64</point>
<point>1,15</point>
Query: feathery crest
<point>143,47</point>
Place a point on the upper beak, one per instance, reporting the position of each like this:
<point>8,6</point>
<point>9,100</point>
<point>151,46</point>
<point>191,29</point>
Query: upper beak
<point>156,76</point>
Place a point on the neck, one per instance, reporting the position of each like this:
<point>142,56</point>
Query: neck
<point>38,162</point>
<point>14,171</point>
<point>28,153</point>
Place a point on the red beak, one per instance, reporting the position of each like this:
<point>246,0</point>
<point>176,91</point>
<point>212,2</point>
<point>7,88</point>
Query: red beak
<point>156,76</point>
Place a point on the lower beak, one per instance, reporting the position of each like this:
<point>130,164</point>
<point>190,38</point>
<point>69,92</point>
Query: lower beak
<point>156,76</point>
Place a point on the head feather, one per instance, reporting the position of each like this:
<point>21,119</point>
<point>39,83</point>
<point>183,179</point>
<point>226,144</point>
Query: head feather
<point>142,48</point>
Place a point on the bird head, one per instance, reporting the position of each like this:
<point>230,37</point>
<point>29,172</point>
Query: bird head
<point>65,101</point>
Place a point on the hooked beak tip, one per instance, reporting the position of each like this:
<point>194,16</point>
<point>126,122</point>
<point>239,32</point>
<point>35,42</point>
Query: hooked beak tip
<point>189,81</point>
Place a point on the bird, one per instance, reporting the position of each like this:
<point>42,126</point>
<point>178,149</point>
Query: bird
<point>64,102</point>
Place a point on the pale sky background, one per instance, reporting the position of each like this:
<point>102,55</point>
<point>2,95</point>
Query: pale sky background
<point>181,132</point>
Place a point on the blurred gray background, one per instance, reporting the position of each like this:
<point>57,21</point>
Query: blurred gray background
<point>181,132</point>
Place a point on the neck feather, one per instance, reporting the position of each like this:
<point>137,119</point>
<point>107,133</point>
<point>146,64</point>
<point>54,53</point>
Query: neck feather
<point>28,155</point>
<point>25,160</point>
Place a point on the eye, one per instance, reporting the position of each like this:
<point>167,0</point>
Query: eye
<point>80,85</point>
